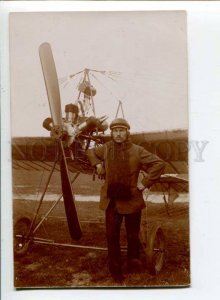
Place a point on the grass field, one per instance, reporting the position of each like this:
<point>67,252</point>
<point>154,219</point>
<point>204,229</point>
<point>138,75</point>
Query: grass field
<point>65,267</point>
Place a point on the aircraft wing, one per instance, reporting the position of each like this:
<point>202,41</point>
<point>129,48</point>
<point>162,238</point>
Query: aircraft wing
<point>171,146</point>
<point>37,153</point>
<point>175,183</point>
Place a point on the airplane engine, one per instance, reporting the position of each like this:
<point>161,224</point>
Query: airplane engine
<point>74,125</point>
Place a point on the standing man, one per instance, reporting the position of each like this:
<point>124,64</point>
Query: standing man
<point>120,161</point>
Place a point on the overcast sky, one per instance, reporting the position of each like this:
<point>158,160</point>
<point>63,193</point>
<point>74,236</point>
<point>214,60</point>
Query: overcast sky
<point>146,50</point>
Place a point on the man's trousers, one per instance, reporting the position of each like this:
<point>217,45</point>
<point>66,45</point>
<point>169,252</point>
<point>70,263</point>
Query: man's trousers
<point>113,226</point>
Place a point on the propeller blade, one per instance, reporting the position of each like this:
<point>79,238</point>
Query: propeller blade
<point>69,199</point>
<point>51,82</point>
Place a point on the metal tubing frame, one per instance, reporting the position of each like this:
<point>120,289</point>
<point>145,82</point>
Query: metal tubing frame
<point>52,207</point>
<point>41,199</point>
<point>51,242</point>
<point>45,242</point>
<point>93,106</point>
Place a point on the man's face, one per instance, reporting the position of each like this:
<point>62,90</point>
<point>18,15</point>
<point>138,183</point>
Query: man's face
<point>119,134</point>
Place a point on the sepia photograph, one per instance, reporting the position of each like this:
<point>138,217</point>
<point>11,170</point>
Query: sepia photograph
<point>99,134</point>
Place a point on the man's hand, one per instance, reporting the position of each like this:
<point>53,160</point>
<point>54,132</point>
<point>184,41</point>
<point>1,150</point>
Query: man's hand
<point>140,186</point>
<point>100,170</point>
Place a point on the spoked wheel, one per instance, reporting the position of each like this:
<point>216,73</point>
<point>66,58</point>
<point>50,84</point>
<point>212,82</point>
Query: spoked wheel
<point>155,250</point>
<point>21,243</point>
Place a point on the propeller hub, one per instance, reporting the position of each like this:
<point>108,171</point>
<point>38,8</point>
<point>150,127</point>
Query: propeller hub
<point>57,132</point>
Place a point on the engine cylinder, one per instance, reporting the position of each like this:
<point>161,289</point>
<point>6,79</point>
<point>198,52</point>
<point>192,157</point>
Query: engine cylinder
<point>103,126</point>
<point>88,125</point>
<point>71,111</point>
<point>48,124</point>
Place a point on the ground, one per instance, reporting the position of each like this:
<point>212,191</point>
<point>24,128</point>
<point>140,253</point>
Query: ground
<point>59,266</point>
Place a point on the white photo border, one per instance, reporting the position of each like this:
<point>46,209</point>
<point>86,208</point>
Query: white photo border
<point>204,115</point>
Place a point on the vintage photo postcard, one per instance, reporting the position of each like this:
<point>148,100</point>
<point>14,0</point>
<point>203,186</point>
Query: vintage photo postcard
<point>99,124</point>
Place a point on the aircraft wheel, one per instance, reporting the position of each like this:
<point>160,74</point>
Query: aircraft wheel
<point>21,243</point>
<point>155,250</point>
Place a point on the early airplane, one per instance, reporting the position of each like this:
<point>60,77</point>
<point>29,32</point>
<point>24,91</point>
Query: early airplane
<point>65,150</point>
